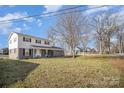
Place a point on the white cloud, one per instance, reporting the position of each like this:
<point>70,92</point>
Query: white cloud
<point>5,28</point>
<point>97,8</point>
<point>17,15</point>
<point>117,14</point>
<point>8,26</point>
<point>17,29</point>
<point>10,16</point>
<point>39,22</point>
<point>25,27</point>
<point>52,8</point>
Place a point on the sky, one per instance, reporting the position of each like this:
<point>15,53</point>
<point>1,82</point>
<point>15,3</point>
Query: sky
<point>39,26</point>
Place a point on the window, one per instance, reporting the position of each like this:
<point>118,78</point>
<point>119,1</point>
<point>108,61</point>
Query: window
<point>23,52</point>
<point>26,52</point>
<point>46,42</point>
<point>26,39</point>
<point>30,39</point>
<point>23,38</point>
<point>38,41</point>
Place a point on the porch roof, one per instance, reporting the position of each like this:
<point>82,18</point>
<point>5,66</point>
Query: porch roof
<point>47,47</point>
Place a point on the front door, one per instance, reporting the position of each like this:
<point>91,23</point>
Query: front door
<point>31,53</point>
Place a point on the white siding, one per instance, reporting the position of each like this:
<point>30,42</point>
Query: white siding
<point>23,44</point>
<point>13,44</point>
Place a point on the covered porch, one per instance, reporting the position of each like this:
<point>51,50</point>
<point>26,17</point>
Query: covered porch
<point>43,51</point>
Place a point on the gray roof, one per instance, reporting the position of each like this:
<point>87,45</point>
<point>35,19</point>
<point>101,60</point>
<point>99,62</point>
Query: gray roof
<point>52,47</point>
<point>29,36</point>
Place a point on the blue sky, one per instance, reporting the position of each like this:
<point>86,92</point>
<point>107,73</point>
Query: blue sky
<point>35,26</point>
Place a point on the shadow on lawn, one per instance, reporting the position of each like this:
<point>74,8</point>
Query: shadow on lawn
<point>12,71</point>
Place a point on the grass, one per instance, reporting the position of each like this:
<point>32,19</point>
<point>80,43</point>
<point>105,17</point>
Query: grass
<point>63,72</point>
<point>12,71</point>
<point>3,56</point>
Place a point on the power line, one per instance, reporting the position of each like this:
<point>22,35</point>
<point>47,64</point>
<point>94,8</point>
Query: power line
<point>41,14</point>
<point>49,14</point>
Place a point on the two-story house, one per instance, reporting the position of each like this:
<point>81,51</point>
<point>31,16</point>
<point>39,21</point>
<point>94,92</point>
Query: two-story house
<point>26,46</point>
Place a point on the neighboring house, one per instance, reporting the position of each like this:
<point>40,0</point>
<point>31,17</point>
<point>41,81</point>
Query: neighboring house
<point>1,51</point>
<point>26,46</point>
<point>5,51</point>
<point>87,50</point>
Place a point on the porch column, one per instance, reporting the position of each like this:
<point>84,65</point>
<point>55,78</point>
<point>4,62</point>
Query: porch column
<point>46,55</point>
<point>33,53</point>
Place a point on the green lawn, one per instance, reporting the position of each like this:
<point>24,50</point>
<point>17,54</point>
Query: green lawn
<point>62,72</point>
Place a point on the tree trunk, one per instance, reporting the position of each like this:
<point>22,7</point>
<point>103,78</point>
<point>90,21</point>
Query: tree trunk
<point>73,53</point>
<point>109,45</point>
<point>120,45</point>
<point>120,50</point>
<point>100,48</point>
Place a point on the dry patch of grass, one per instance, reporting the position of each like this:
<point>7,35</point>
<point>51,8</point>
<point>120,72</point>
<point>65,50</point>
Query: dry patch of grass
<point>3,56</point>
<point>119,63</point>
<point>68,72</point>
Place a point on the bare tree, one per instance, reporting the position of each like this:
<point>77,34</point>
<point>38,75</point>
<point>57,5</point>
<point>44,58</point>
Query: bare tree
<point>84,42</point>
<point>105,24</point>
<point>52,35</point>
<point>120,35</point>
<point>68,28</point>
<point>97,26</point>
<point>73,30</point>
<point>85,33</point>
